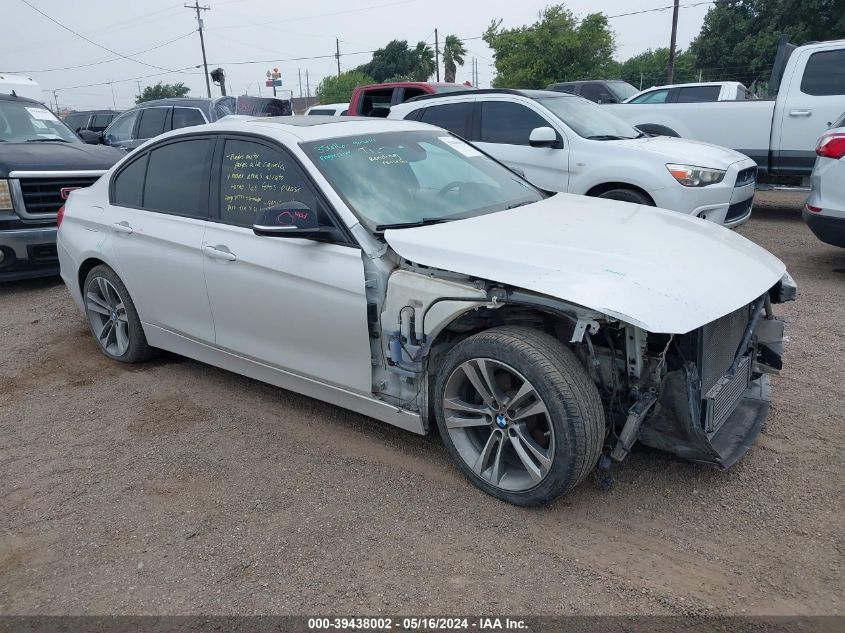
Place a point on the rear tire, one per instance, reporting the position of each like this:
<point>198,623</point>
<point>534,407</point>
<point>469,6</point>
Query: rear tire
<point>534,430</point>
<point>627,195</point>
<point>112,317</point>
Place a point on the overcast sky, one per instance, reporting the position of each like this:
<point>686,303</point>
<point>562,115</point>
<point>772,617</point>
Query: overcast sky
<point>269,32</point>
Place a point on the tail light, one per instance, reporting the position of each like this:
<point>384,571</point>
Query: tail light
<point>810,207</point>
<point>60,216</point>
<point>831,146</point>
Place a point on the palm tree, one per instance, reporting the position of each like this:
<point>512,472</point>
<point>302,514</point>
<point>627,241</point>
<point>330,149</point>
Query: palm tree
<point>424,66</point>
<point>453,53</point>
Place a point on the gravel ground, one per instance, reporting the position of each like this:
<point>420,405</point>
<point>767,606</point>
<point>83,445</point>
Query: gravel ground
<point>174,487</point>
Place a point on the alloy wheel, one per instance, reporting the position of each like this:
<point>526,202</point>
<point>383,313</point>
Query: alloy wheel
<point>107,315</point>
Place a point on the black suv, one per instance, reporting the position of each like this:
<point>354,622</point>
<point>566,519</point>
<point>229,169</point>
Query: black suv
<point>41,162</point>
<point>93,120</point>
<point>599,91</point>
<point>151,118</point>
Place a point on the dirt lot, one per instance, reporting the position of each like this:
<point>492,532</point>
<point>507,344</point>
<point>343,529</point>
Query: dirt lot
<point>174,487</point>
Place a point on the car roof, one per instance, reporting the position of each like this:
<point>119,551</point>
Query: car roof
<point>8,97</point>
<point>317,106</point>
<point>531,94</point>
<point>693,85</point>
<point>304,128</point>
<point>95,112</point>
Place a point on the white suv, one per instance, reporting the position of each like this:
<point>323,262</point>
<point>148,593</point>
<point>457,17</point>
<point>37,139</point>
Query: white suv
<point>565,143</point>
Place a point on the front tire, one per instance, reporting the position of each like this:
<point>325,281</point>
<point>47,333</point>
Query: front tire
<point>519,414</point>
<point>627,195</point>
<point>112,317</point>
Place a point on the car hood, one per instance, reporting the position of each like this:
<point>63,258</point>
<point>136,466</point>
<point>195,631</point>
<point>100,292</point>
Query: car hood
<point>659,270</point>
<point>56,156</point>
<point>684,151</point>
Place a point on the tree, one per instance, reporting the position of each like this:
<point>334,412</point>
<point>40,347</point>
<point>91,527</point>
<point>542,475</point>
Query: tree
<point>453,53</point>
<point>338,89</point>
<point>739,38</point>
<point>394,60</point>
<point>649,68</point>
<point>424,62</point>
<point>555,48</point>
<point>163,91</point>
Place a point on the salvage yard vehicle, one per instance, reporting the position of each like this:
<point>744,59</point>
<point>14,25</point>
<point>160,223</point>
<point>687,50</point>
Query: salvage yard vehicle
<point>597,91</point>
<point>824,211</point>
<point>41,161</point>
<point>151,118</point>
<point>808,86</point>
<point>375,100</point>
<point>328,109</point>
<point>392,269</point>
<point>693,93</point>
<point>565,143</point>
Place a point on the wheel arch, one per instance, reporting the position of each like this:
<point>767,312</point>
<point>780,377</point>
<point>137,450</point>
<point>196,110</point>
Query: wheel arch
<point>86,267</point>
<point>604,187</point>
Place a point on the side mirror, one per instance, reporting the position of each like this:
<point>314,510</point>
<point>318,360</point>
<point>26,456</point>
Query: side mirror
<point>544,137</point>
<point>290,219</point>
<point>88,137</point>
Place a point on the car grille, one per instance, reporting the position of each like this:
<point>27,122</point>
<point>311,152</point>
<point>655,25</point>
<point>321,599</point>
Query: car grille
<point>720,342</point>
<point>43,196</point>
<point>738,210</point>
<point>746,176</point>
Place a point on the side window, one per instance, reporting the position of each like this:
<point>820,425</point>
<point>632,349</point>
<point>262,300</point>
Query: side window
<point>564,88</point>
<point>824,74</point>
<point>100,122</point>
<point>186,117</point>
<point>152,122</point>
<point>454,117</point>
<point>255,177</point>
<point>410,93</point>
<point>129,183</point>
<point>176,174</point>
<point>597,93</point>
<point>696,94</point>
<point>508,123</point>
<point>76,122</point>
<point>120,129</point>
<point>655,96</point>
<point>344,113</point>
<point>376,102</point>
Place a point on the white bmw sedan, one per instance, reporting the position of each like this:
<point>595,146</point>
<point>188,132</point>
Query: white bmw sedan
<point>394,270</point>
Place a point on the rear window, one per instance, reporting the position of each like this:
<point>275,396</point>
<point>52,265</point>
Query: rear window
<point>824,74</point>
<point>696,94</point>
<point>321,112</point>
<point>454,117</point>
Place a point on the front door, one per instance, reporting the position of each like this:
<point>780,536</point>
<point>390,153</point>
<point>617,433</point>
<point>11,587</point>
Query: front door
<point>157,219</point>
<point>504,132</point>
<point>292,303</point>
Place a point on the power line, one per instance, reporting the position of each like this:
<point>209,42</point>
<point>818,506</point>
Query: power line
<point>104,61</point>
<point>90,41</point>
<point>119,81</point>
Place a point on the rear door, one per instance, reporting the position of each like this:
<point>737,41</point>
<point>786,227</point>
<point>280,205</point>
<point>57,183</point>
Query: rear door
<point>455,117</point>
<point>158,210</point>
<point>809,100</point>
<point>504,130</point>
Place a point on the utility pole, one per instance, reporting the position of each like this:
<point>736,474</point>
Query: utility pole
<point>198,8</point>
<point>56,101</point>
<point>337,42</point>
<point>672,42</point>
<point>299,74</point>
<point>139,88</point>
<point>307,84</point>
<point>113,102</point>
<point>437,55</point>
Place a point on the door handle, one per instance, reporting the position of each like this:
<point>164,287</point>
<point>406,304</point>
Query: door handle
<point>217,252</point>
<point>122,227</point>
<point>800,112</point>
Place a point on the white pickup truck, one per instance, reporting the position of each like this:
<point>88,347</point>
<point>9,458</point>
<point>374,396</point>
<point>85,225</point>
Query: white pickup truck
<point>780,133</point>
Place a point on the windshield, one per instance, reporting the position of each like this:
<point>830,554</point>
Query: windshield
<point>22,122</point>
<point>412,178</point>
<point>587,119</point>
<point>622,89</point>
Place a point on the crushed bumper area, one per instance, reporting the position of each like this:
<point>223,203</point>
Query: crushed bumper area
<point>676,427</point>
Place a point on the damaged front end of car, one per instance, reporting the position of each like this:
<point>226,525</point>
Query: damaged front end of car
<point>704,395</point>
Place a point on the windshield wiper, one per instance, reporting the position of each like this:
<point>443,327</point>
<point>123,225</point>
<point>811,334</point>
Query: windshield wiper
<point>609,137</point>
<point>44,140</point>
<point>408,225</point>
<point>519,204</point>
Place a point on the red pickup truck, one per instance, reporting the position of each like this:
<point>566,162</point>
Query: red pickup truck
<point>376,99</point>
